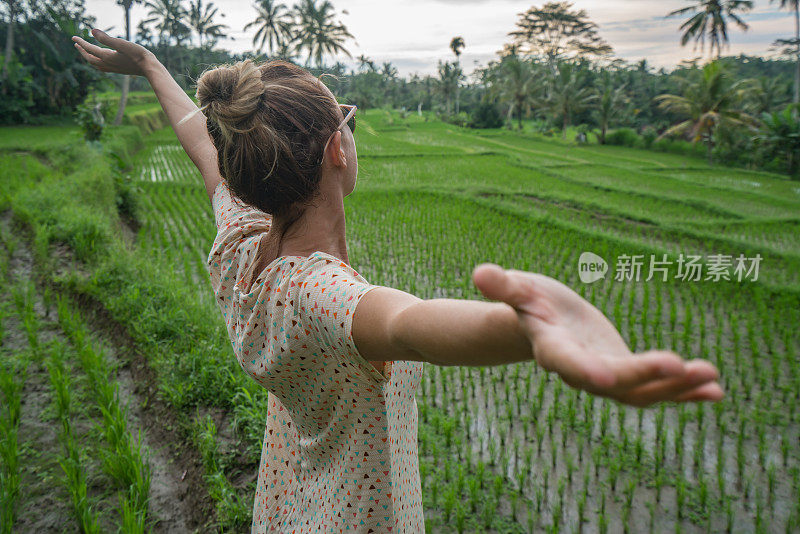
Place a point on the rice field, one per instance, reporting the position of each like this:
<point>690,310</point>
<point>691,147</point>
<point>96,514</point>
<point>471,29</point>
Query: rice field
<point>509,448</point>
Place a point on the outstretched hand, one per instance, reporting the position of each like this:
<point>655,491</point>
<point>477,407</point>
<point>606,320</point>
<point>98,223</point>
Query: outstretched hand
<point>574,339</point>
<point>122,56</point>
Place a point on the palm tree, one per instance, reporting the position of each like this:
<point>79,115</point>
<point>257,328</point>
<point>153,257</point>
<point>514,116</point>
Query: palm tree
<point>610,100</point>
<point>764,94</point>
<point>318,32</point>
<point>339,69</point>
<point>389,86</point>
<point>201,20</point>
<point>794,5</point>
<point>285,52</point>
<point>12,15</point>
<point>569,93</point>
<point>366,64</point>
<point>780,133</point>
<point>709,19</point>
<point>126,80</point>
<point>169,17</point>
<point>450,75</point>
<point>457,45</point>
<point>274,25</point>
<point>708,102</point>
<point>143,35</point>
<point>389,71</point>
<point>513,81</point>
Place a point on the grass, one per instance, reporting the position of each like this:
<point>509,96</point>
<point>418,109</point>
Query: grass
<point>37,138</point>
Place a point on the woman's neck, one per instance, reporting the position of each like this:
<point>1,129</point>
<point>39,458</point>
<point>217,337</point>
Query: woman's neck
<point>321,227</point>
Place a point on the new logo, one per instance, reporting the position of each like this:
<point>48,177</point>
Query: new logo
<point>591,268</point>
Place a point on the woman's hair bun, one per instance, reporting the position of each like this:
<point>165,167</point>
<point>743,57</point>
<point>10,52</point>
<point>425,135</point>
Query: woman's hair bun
<point>231,95</point>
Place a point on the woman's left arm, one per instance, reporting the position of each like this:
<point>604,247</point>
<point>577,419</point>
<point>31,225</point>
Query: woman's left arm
<point>125,57</point>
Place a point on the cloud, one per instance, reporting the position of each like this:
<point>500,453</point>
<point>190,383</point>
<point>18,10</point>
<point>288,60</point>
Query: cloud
<point>415,34</point>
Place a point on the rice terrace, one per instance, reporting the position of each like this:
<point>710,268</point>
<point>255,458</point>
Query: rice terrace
<point>122,407</point>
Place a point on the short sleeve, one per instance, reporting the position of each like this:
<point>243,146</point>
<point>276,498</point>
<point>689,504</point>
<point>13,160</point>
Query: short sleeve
<point>239,229</point>
<point>234,218</point>
<point>292,334</point>
<point>328,293</point>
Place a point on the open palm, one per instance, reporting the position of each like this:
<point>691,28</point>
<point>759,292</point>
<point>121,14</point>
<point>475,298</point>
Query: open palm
<point>123,56</point>
<point>575,340</point>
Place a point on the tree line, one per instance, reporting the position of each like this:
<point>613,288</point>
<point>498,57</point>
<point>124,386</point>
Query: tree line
<point>555,74</point>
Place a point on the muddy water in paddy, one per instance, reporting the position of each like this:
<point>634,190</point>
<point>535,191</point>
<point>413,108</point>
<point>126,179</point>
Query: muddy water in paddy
<point>484,426</point>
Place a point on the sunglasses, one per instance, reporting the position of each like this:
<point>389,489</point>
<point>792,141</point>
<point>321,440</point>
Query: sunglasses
<point>349,113</point>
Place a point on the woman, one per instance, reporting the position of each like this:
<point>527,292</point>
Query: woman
<point>340,357</point>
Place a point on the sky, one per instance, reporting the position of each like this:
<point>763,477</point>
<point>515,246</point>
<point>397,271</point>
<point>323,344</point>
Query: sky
<point>415,34</point>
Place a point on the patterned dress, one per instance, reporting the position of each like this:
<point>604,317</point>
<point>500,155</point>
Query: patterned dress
<point>340,445</point>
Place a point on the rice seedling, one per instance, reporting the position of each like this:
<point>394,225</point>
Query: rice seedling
<point>12,379</point>
<point>123,458</point>
<point>71,462</point>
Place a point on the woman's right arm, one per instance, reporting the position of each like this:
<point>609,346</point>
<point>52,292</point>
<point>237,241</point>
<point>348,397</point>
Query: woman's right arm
<point>537,319</point>
<point>125,57</point>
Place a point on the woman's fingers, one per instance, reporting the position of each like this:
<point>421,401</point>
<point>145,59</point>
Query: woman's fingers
<point>572,338</point>
<point>92,60</point>
<point>698,373</point>
<point>517,289</point>
<point>495,284</point>
<point>99,52</point>
<point>707,392</point>
<point>112,42</point>
<point>638,369</point>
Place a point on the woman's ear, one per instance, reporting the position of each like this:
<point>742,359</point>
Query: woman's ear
<point>336,150</point>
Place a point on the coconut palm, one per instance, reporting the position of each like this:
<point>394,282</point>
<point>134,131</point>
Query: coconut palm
<point>274,26</point>
<point>780,134</point>
<point>794,5</point>
<point>710,20</point>
<point>450,74</point>
<point>457,45</point>
<point>285,52</point>
<point>12,16</point>
<point>764,94</point>
<point>144,36</point>
<point>389,78</point>
<point>611,100</point>
<point>318,31</point>
<point>389,72</point>
<point>126,80</point>
<point>514,82</point>
<point>366,64</point>
<point>201,20</point>
<point>569,93</point>
<point>169,19</point>
<point>708,102</point>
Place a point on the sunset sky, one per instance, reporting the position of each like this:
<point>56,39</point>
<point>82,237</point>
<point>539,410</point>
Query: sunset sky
<point>415,34</point>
